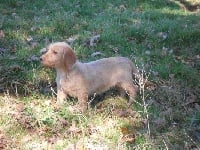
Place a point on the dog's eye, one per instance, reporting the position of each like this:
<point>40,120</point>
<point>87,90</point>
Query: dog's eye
<point>55,52</point>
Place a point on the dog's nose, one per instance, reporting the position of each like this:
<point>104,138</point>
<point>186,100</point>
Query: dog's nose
<point>41,58</point>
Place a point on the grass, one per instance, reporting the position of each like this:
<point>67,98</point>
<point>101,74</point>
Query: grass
<point>162,37</point>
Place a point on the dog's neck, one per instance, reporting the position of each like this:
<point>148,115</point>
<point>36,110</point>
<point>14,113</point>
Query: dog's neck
<point>61,74</point>
<point>64,74</point>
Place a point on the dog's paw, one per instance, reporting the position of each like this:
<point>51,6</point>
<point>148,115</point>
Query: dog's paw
<point>73,109</point>
<point>77,109</point>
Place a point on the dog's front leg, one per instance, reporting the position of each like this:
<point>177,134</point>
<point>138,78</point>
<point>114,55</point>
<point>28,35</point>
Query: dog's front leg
<point>60,97</point>
<point>82,102</point>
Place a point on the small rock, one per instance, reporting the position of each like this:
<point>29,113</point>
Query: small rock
<point>147,52</point>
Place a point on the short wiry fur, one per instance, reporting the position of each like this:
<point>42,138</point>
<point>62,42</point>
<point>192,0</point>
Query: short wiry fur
<point>84,79</point>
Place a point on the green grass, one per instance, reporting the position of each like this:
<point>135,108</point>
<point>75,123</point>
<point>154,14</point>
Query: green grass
<point>162,37</point>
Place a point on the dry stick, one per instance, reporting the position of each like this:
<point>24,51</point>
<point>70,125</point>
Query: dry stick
<point>144,104</point>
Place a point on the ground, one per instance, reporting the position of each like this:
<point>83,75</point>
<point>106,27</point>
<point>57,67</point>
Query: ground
<point>162,37</point>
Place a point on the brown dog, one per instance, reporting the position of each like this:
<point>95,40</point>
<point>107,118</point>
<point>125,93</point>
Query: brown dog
<point>82,80</point>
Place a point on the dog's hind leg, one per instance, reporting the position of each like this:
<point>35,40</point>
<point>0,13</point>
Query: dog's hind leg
<point>130,90</point>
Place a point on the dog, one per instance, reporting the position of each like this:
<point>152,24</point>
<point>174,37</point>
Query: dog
<point>82,80</point>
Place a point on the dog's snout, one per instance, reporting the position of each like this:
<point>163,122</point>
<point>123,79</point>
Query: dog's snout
<point>41,58</point>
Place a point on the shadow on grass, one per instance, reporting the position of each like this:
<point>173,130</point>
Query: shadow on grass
<point>189,6</point>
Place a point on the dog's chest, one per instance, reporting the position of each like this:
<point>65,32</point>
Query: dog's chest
<point>72,85</point>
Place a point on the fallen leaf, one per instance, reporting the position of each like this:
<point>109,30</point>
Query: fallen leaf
<point>124,130</point>
<point>130,138</point>
<point>129,135</point>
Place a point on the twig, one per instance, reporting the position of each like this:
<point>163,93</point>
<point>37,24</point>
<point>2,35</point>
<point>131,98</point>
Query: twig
<point>141,84</point>
<point>145,105</point>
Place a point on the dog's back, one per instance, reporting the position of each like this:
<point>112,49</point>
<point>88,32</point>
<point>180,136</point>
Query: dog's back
<point>106,73</point>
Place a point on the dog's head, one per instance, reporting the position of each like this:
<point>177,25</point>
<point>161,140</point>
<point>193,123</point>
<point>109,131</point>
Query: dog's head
<point>59,55</point>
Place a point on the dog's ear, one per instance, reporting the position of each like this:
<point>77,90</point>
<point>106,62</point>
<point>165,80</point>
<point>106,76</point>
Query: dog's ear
<point>69,58</point>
